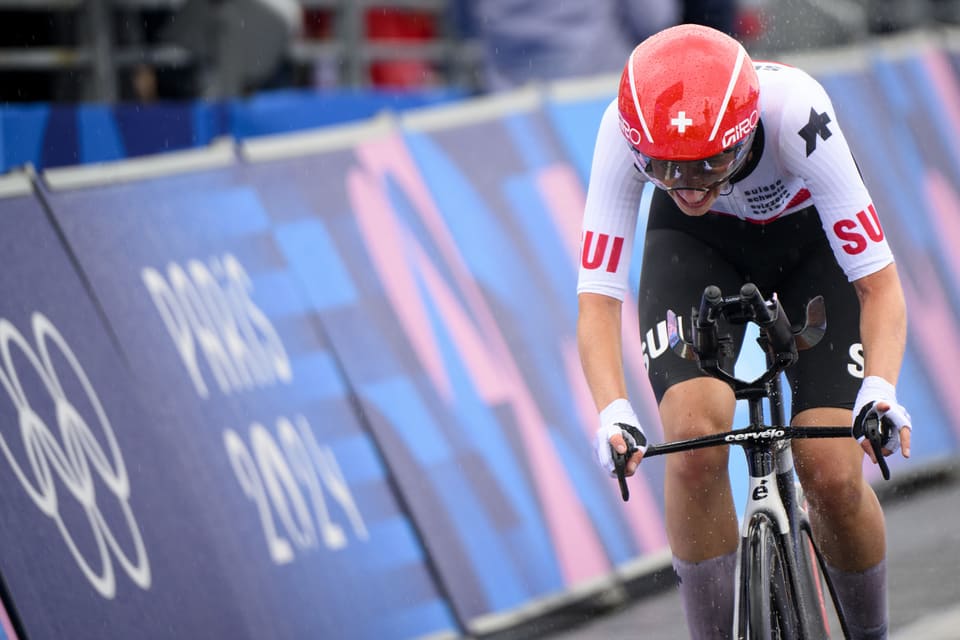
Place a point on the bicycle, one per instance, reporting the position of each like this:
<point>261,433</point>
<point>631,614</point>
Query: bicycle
<point>780,571</point>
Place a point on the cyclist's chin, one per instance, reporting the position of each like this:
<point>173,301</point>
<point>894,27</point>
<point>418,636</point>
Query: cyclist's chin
<point>694,203</point>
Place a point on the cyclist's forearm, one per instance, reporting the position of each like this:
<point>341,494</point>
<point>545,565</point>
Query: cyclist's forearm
<point>883,323</point>
<point>600,345</point>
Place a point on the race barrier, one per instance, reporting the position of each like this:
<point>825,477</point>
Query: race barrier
<point>46,136</point>
<point>325,383</point>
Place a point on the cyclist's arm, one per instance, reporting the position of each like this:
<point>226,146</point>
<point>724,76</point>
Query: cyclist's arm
<point>601,355</point>
<point>600,345</point>
<point>813,146</point>
<point>883,322</point>
<point>883,332</point>
<point>609,226</point>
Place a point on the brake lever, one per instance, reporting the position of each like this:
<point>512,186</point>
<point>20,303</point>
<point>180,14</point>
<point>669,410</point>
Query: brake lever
<point>632,437</point>
<point>620,466</point>
<point>874,431</point>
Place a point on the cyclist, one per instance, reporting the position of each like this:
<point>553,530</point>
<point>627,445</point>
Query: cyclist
<point>754,182</point>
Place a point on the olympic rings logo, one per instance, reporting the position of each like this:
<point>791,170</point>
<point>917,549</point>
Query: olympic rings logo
<point>72,458</point>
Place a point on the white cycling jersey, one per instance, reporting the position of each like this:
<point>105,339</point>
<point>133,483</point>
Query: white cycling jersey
<point>805,161</point>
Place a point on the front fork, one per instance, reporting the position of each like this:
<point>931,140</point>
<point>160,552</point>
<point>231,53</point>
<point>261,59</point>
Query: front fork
<point>774,491</point>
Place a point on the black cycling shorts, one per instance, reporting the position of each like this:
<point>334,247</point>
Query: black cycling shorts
<point>790,257</point>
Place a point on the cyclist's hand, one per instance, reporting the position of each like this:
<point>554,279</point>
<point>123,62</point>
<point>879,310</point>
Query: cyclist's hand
<point>878,397</point>
<point>616,420</point>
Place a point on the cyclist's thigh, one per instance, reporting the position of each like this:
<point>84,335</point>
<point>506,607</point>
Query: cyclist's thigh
<point>676,268</point>
<point>829,374</point>
<point>833,464</point>
<point>696,407</point>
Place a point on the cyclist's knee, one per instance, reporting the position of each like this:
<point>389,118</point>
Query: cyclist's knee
<point>698,471</point>
<point>833,488</point>
<point>831,471</point>
<point>692,409</point>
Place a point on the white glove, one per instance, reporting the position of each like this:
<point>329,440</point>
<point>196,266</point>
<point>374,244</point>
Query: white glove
<point>617,412</point>
<point>873,390</point>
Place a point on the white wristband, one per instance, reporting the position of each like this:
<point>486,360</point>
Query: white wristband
<point>874,388</point>
<point>618,411</point>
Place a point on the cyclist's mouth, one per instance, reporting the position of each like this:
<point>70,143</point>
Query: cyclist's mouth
<point>691,198</point>
<point>693,203</point>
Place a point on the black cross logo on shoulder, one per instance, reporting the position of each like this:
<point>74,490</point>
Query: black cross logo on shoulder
<point>817,125</point>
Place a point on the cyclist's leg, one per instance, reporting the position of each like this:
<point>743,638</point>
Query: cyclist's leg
<point>847,520</point>
<point>700,516</point>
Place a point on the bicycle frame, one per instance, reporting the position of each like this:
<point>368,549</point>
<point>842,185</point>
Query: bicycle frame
<point>772,492</point>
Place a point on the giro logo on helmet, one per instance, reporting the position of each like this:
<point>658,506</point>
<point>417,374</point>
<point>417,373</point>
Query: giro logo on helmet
<point>737,133</point>
<point>632,135</point>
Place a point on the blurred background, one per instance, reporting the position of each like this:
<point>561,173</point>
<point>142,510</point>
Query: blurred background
<point>340,363</point>
<point>147,50</point>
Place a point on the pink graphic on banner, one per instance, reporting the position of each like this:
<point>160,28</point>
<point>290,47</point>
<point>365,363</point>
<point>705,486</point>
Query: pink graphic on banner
<point>6,625</point>
<point>394,252</point>
<point>642,511</point>
<point>561,190</point>
<point>934,332</point>
<point>943,199</point>
<point>945,84</point>
<point>563,194</point>
<point>934,328</point>
<point>399,284</point>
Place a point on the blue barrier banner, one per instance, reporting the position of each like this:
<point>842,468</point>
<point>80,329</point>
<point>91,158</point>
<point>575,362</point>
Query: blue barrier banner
<point>196,281</point>
<point>102,534</point>
<point>576,120</point>
<point>54,136</point>
<point>47,136</point>
<point>512,205</point>
<point>284,111</point>
<point>430,334</point>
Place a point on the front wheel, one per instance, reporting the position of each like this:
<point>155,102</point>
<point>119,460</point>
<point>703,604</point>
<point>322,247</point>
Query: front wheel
<point>768,611</point>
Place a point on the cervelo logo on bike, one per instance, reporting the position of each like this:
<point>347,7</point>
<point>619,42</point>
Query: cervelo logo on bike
<point>766,434</point>
<point>70,453</point>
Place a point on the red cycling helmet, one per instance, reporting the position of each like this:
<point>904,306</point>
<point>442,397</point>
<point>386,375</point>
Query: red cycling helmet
<point>689,104</point>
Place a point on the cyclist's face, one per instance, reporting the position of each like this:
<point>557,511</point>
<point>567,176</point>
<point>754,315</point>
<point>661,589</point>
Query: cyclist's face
<point>694,202</point>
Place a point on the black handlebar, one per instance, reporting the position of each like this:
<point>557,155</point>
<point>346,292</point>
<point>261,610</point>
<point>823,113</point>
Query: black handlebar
<point>778,336</point>
<point>780,340</point>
